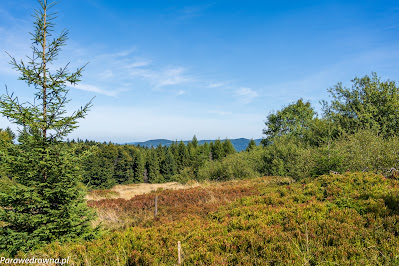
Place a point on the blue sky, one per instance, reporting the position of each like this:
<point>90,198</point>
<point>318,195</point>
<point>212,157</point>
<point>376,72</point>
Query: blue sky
<point>216,69</point>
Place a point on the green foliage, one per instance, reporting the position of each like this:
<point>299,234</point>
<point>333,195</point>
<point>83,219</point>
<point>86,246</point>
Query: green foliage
<point>346,219</point>
<point>228,148</point>
<point>5,142</point>
<point>139,167</point>
<point>251,145</point>
<point>288,157</point>
<point>43,202</point>
<point>123,171</point>
<point>183,158</point>
<point>39,209</point>
<point>321,132</point>
<point>168,167</point>
<point>184,176</point>
<point>368,150</point>
<point>217,150</point>
<point>153,170</point>
<point>194,142</point>
<point>370,103</point>
<point>234,166</point>
<point>326,160</point>
<point>292,120</point>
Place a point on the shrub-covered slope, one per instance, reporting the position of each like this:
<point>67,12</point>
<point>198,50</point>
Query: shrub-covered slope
<point>349,219</point>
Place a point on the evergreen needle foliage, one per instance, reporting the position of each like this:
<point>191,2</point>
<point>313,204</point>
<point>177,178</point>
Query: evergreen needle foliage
<point>42,202</point>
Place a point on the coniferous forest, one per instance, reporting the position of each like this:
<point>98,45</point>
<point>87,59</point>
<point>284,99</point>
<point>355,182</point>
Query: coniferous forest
<point>321,188</point>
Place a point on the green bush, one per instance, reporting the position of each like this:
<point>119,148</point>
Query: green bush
<point>185,175</point>
<point>366,150</point>
<point>288,157</point>
<point>326,160</point>
<point>234,166</point>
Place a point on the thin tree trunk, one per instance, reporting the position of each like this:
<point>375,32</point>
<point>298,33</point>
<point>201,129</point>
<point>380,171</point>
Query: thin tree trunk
<point>44,84</point>
<point>44,76</point>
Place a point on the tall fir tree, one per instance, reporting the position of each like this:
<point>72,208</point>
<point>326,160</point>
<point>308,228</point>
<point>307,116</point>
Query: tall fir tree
<point>228,147</point>
<point>43,202</point>
<point>183,158</point>
<point>168,167</point>
<point>251,145</point>
<point>217,150</point>
<point>123,171</point>
<point>154,174</point>
<point>194,141</point>
<point>139,167</point>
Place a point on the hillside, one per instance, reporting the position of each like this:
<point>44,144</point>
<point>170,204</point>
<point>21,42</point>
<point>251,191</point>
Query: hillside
<point>350,219</point>
<point>239,144</point>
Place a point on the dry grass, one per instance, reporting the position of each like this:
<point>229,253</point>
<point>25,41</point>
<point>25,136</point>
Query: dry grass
<point>134,204</point>
<point>129,191</point>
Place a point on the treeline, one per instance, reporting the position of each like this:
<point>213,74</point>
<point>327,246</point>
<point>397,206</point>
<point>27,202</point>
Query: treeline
<point>108,164</point>
<point>103,165</point>
<point>358,130</point>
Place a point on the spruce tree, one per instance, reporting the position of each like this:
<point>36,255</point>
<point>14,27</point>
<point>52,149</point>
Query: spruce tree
<point>217,150</point>
<point>251,145</point>
<point>139,167</point>
<point>169,166</point>
<point>5,143</point>
<point>154,174</point>
<point>228,147</point>
<point>183,159</point>
<point>43,202</point>
<point>194,141</point>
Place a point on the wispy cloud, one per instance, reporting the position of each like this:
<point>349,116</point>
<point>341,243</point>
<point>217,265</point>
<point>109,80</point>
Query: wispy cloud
<point>125,52</point>
<point>164,77</point>
<point>173,76</point>
<point>138,63</point>
<point>91,88</point>
<point>190,12</point>
<point>219,112</point>
<point>246,95</point>
<point>180,92</point>
<point>216,85</point>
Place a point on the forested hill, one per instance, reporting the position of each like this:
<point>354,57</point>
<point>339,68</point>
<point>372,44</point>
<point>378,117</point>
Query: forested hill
<point>239,144</point>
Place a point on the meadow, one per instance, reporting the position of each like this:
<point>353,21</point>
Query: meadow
<point>336,219</point>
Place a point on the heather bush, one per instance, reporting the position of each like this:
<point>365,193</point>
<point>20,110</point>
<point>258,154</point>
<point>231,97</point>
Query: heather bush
<point>349,219</point>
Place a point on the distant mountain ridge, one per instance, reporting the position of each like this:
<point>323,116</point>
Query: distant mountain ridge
<point>239,144</point>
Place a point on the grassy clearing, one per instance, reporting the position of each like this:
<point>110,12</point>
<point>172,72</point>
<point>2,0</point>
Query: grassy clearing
<point>349,219</point>
<point>129,191</point>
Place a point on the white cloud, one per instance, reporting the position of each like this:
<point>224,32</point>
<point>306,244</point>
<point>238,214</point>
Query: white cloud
<point>162,78</point>
<point>180,92</point>
<point>218,112</point>
<point>107,74</point>
<point>91,88</point>
<point>127,67</point>
<point>138,63</point>
<point>173,76</point>
<point>216,85</point>
<point>246,95</point>
<point>124,52</point>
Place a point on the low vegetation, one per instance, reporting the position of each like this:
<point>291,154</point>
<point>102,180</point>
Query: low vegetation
<point>349,219</point>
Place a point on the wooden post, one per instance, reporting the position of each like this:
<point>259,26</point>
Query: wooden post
<point>178,252</point>
<point>156,207</point>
